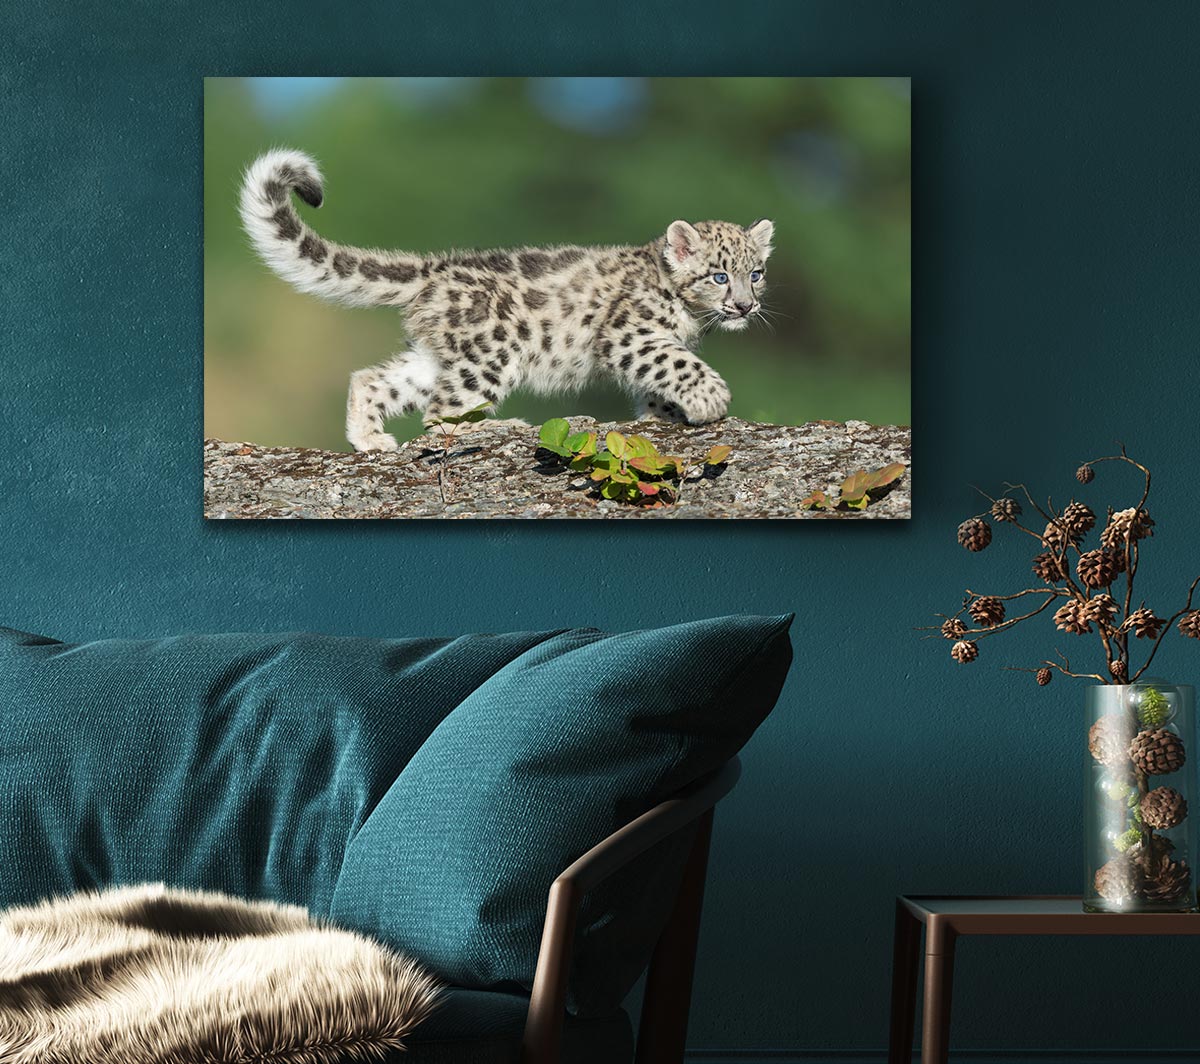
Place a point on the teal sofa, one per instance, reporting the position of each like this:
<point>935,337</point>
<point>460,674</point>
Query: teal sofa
<point>527,813</point>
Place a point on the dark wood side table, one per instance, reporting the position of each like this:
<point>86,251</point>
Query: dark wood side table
<point>947,918</point>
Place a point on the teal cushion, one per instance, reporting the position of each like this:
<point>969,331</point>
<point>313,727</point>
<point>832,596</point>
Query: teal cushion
<point>242,763</point>
<point>565,744</point>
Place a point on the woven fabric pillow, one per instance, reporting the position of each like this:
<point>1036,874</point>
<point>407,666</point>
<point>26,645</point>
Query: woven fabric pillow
<point>562,746</point>
<point>239,763</point>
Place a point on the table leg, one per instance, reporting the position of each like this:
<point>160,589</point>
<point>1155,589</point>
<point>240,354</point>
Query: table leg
<point>905,957</point>
<point>939,982</point>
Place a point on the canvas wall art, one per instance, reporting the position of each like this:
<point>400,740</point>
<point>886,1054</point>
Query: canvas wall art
<point>557,298</point>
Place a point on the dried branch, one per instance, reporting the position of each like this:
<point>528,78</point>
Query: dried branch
<point>1187,606</point>
<point>1114,637</point>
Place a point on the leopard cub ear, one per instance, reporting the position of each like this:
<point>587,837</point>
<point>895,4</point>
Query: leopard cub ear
<point>682,243</point>
<point>761,233</point>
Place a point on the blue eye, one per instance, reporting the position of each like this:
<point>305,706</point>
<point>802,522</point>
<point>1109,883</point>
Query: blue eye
<point>720,278</point>
<point>755,276</point>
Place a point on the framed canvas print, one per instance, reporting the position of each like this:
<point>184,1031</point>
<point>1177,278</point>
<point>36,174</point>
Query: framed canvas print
<point>557,298</point>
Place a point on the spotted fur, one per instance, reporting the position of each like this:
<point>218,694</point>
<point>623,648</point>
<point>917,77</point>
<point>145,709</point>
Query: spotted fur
<point>483,323</point>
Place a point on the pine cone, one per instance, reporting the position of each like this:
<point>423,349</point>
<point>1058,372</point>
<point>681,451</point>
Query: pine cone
<point>1164,880</point>
<point>1118,669</point>
<point>1118,879</point>
<point>987,611</point>
<point>1048,567</point>
<point>1085,474</point>
<point>964,651</point>
<point>974,533</point>
<point>1109,738</point>
<point>1006,509</point>
<point>1160,846</point>
<point>1044,676</point>
<point>1157,751</point>
<point>1098,568</point>
<point>1100,608</point>
<point>1143,622</point>
<point>1124,526</point>
<point>1189,624</point>
<point>1072,618</point>
<point>1078,520</point>
<point>1056,537</point>
<point>1164,808</point>
<point>953,628</point>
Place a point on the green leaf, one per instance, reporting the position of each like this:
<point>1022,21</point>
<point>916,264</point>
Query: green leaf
<point>854,487</point>
<point>640,447</point>
<point>653,466</point>
<point>562,452</point>
<point>578,440</point>
<point>858,504</point>
<point>616,443</point>
<point>581,463</point>
<point>718,454</point>
<point>554,433</point>
<point>601,473</point>
<point>612,490</point>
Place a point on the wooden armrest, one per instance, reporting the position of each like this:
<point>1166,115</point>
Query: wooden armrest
<point>542,1042</point>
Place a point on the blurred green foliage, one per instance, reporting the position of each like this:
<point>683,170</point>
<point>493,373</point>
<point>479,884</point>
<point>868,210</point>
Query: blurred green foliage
<point>433,164</point>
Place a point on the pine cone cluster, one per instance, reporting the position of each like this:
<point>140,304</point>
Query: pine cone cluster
<point>1189,624</point>
<point>1126,526</point>
<point>1078,520</point>
<point>1099,568</point>
<point>1072,618</point>
<point>1118,669</point>
<point>1044,676</point>
<point>974,533</point>
<point>1164,808</point>
<point>953,628</point>
<point>1006,510</point>
<point>1085,474</point>
<point>1118,879</point>
<point>1157,751</point>
<point>1100,608</point>
<point>987,611</point>
<point>1047,567</point>
<point>964,651</point>
<point>1109,738</point>
<point>1143,623</point>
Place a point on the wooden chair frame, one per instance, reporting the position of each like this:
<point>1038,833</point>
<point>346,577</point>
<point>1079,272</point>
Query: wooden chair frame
<point>662,1033</point>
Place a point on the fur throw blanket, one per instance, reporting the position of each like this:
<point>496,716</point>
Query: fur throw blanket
<point>147,975</point>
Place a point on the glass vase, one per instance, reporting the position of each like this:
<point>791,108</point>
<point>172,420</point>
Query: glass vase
<point>1140,839</point>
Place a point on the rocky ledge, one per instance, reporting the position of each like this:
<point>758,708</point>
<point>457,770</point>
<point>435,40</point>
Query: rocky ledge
<point>496,471</point>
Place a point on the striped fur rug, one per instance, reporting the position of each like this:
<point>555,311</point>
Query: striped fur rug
<point>147,975</point>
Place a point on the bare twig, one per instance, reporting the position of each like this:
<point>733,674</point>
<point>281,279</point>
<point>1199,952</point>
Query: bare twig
<point>1167,627</point>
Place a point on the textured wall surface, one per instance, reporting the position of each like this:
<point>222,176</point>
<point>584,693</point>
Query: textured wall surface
<point>1056,301</point>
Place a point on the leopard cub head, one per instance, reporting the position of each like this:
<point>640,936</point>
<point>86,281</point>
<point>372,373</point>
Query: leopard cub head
<point>719,268</point>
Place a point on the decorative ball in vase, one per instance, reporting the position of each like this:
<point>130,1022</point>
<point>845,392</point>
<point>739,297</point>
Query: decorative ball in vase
<point>1139,732</point>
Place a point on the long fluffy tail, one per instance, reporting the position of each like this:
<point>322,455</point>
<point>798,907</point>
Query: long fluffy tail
<point>356,276</point>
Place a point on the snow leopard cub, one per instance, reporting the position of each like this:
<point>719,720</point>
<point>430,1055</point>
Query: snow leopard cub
<point>485,322</point>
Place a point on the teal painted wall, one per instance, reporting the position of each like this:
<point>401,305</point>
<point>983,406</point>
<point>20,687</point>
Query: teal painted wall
<point>1056,303</point>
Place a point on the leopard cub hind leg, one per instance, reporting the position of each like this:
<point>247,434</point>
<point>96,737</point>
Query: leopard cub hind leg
<point>402,384</point>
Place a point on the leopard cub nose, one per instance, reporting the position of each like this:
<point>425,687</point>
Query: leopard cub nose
<point>744,307</point>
